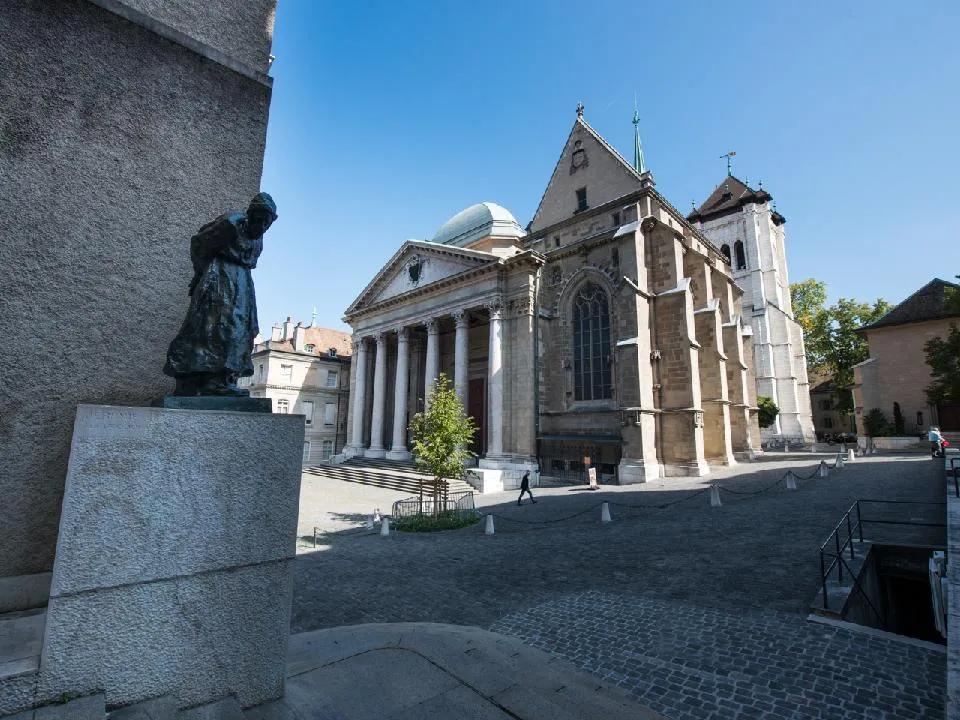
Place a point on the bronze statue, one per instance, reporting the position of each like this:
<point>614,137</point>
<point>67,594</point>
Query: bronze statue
<point>215,341</point>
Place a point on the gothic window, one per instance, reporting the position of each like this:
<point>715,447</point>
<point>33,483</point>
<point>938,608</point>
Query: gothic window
<point>725,251</point>
<point>741,258</point>
<point>591,344</point>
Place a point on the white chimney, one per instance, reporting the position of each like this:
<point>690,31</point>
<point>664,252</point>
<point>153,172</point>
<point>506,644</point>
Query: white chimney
<point>288,329</point>
<point>276,333</point>
<point>299,337</point>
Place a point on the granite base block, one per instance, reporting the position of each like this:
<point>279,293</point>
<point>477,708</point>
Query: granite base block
<point>173,572</point>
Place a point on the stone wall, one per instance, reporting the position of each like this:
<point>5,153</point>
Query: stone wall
<point>115,145</point>
<point>899,371</point>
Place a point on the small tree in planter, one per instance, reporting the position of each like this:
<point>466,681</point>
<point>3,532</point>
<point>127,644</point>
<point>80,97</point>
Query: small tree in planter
<point>441,435</point>
<point>768,411</point>
<point>877,425</point>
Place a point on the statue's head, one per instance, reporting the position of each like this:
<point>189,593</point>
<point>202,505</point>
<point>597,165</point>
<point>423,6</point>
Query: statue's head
<point>261,213</point>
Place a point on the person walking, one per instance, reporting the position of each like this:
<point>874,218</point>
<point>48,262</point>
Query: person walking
<point>525,488</point>
<point>936,441</point>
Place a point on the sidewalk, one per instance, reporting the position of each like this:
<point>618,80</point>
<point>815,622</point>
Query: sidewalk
<point>403,671</point>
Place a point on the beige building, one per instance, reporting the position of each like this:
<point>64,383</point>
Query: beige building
<point>609,329</point>
<point>897,370</point>
<point>828,419</point>
<point>750,233</point>
<point>306,371</point>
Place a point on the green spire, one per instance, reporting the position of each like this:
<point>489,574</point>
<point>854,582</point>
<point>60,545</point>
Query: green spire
<point>638,163</point>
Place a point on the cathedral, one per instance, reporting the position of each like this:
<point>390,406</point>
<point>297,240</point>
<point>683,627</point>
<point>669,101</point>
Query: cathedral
<point>611,332</point>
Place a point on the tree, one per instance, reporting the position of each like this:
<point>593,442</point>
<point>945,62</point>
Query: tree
<point>441,435</point>
<point>943,357</point>
<point>831,339</point>
<point>876,424</point>
<point>768,411</point>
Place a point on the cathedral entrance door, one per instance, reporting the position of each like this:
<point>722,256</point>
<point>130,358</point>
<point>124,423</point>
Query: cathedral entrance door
<point>476,408</point>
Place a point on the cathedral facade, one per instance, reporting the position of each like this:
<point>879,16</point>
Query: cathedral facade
<point>608,333</point>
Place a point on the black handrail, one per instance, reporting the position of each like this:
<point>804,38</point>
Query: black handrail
<point>855,528</point>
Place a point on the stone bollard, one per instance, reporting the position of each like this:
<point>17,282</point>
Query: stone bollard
<point>715,496</point>
<point>850,454</point>
<point>369,523</point>
<point>786,446</point>
<point>824,471</point>
<point>605,512</point>
<point>840,461</point>
<point>385,527</point>
<point>791,481</point>
<point>488,528</point>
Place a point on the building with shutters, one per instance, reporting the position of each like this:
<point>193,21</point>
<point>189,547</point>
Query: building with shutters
<point>306,371</point>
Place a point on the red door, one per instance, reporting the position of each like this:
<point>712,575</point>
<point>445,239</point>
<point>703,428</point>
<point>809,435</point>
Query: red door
<point>476,409</point>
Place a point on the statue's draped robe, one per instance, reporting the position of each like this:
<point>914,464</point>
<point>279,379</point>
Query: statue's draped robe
<point>218,331</point>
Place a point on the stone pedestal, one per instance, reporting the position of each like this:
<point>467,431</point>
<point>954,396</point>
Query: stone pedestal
<point>173,572</point>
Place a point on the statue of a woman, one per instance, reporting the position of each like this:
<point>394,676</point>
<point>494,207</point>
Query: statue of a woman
<point>215,341</point>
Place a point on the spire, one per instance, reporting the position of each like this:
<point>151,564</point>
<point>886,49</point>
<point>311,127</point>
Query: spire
<point>313,317</point>
<point>638,163</point>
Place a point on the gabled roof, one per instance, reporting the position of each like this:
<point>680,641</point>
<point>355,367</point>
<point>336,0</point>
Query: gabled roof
<point>927,303</point>
<point>469,259</point>
<point>630,173</point>
<point>729,197</point>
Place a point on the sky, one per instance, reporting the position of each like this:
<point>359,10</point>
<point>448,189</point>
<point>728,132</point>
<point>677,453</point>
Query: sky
<point>388,118</point>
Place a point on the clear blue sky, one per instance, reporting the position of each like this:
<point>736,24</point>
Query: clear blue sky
<point>389,117</point>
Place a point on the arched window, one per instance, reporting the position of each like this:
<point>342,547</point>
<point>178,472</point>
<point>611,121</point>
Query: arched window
<point>741,258</point>
<point>725,251</point>
<point>591,344</point>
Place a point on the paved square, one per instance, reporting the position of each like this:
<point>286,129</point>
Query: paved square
<point>698,611</point>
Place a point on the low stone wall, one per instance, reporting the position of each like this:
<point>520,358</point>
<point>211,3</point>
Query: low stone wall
<point>911,442</point>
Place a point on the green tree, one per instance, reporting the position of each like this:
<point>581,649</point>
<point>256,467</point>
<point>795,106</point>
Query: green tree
<point>441,436</point>
<point>830,334</point>
<point>943,357</point>
<point>768,411</point>
<point>876,424</point>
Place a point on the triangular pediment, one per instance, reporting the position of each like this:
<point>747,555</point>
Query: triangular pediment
<point>416,266</point>
<point>587,161</point>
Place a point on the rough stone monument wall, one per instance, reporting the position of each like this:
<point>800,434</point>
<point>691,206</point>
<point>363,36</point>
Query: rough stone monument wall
<point>123,128</point>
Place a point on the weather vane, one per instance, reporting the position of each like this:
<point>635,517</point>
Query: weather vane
<point>580,109</point>
<point>729,155</point>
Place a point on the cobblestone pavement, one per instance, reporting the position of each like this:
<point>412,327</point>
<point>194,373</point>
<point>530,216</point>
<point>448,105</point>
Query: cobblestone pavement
<point>689,661</point>
<point>711,601</point>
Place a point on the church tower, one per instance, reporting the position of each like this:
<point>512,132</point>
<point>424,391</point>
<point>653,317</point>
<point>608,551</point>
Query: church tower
<point>743,223</point>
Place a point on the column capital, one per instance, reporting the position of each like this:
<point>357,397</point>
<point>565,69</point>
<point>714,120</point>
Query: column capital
<point>402,334</point>
<point>495,308</point>
<point>380,337</point>
<point>432,325</point>
<point>359,344</point>
<point>460,318</point>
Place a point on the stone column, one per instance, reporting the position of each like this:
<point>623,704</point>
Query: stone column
<point>460,361</point>
<point>359,397</point>
<point>433,359</point>
<point>379,399</point>
<point>495,379</point>
<point>398,450</point>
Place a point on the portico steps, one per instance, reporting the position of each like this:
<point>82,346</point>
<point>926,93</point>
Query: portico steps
<point>387,474</point>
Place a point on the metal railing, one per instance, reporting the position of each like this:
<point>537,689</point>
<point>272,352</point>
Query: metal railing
<point>458,504</point>
<point>841,541</point>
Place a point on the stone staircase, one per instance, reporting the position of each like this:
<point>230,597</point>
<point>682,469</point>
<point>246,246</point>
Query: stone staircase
<point>387,474</point>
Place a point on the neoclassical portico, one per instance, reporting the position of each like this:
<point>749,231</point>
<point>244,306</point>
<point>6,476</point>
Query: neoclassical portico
<point>467,313</point>
<point>392,347</point>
